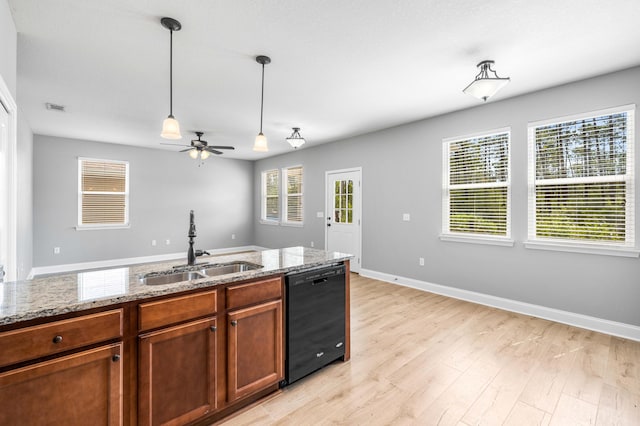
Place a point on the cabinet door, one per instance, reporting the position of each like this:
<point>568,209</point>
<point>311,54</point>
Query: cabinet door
<point>79,389</point>
<point>177,373</point>
<point>254,349</point>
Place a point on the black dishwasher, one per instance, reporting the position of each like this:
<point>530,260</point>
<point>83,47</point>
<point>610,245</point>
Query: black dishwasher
<point>315,320</point>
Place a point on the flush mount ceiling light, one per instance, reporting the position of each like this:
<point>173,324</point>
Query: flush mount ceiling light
<point>260,144</point>
<point>484,86</point>
<point>295,140</point>
<point>170,126</point>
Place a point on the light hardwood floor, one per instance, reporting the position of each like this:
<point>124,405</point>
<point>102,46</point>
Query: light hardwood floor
<point>423,359</point>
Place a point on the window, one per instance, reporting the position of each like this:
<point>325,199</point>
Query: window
<point>477,186</point>
<point>270,196</point>
<point>103,193</point>
<point>293,201</point>
<point>343,201</point>
<point>581,179</point>
<point>287,209</point>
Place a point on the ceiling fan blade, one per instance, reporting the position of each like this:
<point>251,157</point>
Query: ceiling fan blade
<point>215,151</point>
<point>173,144</point>
<point>185,150</point>
<point>221,147</point>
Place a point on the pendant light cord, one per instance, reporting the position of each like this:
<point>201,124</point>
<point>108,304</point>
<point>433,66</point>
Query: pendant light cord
<point>170,73</point>
<point>262,99</point>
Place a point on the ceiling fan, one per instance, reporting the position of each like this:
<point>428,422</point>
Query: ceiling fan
<point>200,148</point>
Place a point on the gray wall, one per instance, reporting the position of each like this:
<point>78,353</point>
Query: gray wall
<point>164,186</point>
<point>24,231</point>
<point>402,173</point>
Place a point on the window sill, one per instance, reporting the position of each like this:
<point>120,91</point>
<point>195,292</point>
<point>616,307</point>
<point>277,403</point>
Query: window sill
<point>493,241</point>
<point>101,227</point>
<point>293,224</point>
<point>583,248</point>
<point>269,222</point>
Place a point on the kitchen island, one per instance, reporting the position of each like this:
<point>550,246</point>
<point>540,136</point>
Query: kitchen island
<point>101,344</point>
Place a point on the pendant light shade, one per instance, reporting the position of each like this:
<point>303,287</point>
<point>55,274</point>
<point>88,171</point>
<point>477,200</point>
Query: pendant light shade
<point>484,85</point>
<point>295,140</point>
<point>260,144</point>
<point>170,126</point>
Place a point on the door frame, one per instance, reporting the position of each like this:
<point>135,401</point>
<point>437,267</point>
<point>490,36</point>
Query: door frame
<point>11,176</point>
<point>358,260</point>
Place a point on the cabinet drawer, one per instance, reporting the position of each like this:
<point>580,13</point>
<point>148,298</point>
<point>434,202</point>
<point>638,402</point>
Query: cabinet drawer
<point>46,339</point>
<point>177,309</point>
<point>254,292</point>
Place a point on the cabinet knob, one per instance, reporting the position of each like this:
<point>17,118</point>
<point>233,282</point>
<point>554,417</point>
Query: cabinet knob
<point>234,323</point>
<point>57,339</point>
<point>115,358</point>
<point>213,328</point>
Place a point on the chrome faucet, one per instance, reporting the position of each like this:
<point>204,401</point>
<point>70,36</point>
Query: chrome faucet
<point>191,254</point>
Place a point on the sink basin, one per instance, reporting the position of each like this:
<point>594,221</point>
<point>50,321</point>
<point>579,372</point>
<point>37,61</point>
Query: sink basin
<point>171,278</point>
<point>207,270</point>
<point>228,268</point>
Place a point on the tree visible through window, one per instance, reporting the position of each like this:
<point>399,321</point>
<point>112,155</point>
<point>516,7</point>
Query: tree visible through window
<point>288,207</point>
<point>581,174</point>
<point>477,185</point>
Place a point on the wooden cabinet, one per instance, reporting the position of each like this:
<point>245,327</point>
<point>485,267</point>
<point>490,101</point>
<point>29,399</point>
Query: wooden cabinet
<point>177,373</point>
<point>254,338</point>
<point>177,368</point>
<point>78,389</point>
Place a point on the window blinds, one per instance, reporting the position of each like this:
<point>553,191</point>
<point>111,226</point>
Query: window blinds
<point>477,185</point>
<point>294,195</point>
<point>272,198</point>
<point>103,192</point>
<point>581,179</point>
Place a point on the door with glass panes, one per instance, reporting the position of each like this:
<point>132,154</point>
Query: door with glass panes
<point>343,231</point>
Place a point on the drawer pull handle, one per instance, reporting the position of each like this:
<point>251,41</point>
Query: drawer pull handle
<point>115,358</point>
<point>213,328</point>
<point>234,323</point>
<point>57,339</point>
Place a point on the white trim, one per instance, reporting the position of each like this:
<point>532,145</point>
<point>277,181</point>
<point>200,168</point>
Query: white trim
<point>11,267</point>
<point>490,132</point>
<point>72,267</point>
<point>613,328</point>
<point>582,248</point>
<point>357,260</point>
<point>478,239</point>
<point>269,222</point>
<point>582,115</point>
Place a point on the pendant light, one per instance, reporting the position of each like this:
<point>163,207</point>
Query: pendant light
<point>170,126</point>
<point>295,140</point>
<point>260,144</point>
<point>484,86</point>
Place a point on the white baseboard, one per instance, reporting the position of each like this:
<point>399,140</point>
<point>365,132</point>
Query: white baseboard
<point>110,263</point>
<point>613,328</point>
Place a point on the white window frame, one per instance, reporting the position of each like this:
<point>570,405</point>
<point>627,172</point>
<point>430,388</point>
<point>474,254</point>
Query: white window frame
<point>283,197</point>
<point>628,248</point>
<point>476,238</point>
<point>83,227</point>
<point>263,198</point>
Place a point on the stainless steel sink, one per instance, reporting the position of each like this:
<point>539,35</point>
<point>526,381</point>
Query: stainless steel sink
<point>208,270</point>
<point>228,268</point>
<point>171,278</point>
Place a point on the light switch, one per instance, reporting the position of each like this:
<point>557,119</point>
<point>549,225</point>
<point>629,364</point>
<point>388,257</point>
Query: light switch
<point>406,217</point>
<point>320,214</point>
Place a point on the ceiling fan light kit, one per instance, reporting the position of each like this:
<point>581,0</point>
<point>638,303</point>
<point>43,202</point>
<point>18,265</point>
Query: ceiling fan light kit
<point>260,144</point>
<point>484,85</point>
<point>295,140</point>
<point>170,126</point>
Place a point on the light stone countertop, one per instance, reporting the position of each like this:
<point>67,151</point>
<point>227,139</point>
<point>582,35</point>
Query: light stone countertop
<point>63,293</point>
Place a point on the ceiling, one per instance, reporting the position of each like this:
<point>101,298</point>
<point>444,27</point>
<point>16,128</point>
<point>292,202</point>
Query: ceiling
<point>339,68</point>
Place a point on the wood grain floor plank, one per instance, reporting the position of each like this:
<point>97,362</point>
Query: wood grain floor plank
<point>419,358</point>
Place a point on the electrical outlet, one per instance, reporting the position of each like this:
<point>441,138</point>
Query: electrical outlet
<point>406,217</point>
<point>421,261</point>
<point>233,236</point>
<point>56,250</point>
<point>167,242</point>
<point>320,214</point>
<point>153,242</point>
<point>311,243</point>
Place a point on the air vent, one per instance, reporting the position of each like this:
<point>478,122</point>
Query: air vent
<point>55,107</point>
